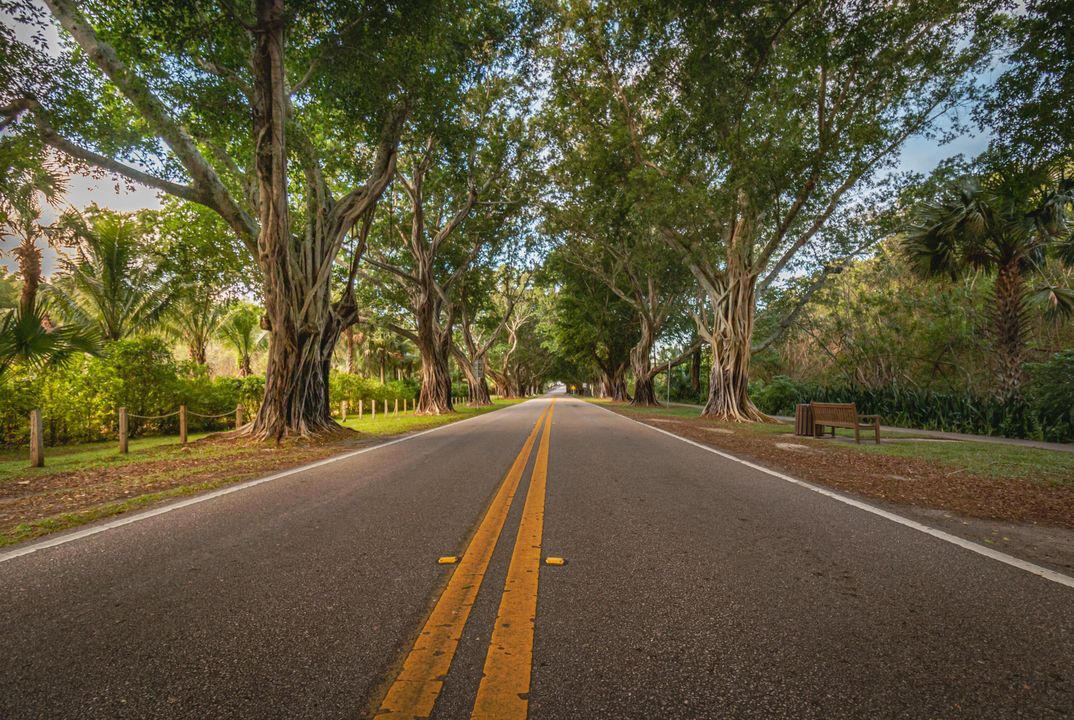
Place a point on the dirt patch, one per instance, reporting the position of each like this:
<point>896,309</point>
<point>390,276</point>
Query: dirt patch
<point>210,461</point>
<point>903,481</point>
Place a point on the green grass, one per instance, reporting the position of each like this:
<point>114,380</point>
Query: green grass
<point>392,424</point>
<point>987,459</point>
<point>65,458</point>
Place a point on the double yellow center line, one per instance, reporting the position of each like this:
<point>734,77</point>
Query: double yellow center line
<point>506,682</point>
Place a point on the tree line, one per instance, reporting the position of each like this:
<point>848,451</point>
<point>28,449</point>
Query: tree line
<point>591,192</point>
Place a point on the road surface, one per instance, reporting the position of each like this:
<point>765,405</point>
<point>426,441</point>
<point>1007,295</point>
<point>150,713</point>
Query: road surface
<point>694,587</point>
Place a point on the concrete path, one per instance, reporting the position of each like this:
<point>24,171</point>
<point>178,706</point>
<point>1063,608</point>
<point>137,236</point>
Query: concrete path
<point>695,586</point>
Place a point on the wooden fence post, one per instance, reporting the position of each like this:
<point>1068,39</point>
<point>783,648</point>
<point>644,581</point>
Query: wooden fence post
<point>37,440</point>
<point>361,409</point>
<point>385,407</point>
<point>123,430</point>
<point>343,410</point>
<point>182,424</point>
<point>373,406</point>
<point>239,410</point>
<point>396,406</point>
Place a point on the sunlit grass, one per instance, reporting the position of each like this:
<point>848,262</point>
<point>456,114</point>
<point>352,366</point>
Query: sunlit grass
<point>64,458</point>
<point>393,424</point>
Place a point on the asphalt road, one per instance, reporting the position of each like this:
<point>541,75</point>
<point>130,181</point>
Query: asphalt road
<point>695,587</point>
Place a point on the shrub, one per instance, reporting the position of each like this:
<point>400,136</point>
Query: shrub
<point>357,388</point>
<point>79,401</point>
<point>1051,390</point>
<point>913,408</point>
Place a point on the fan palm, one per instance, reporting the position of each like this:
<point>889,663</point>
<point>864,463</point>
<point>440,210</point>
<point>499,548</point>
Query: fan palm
<point>108,284</point>
<point>381,348</point>
<point>193,318</point>
<point>1008,225</point>
<point>241,332</point>
<point>27,337</point>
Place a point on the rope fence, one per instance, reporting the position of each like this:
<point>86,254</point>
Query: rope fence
<point>156,417</point>
<point>37,443</point>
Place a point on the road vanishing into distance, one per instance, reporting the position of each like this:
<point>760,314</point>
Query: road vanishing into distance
<point>694,586</point>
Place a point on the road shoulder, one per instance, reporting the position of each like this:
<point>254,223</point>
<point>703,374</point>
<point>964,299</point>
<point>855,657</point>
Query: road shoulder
<point>1025,518</point>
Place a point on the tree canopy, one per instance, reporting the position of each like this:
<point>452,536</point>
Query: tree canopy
<point>503,193</point>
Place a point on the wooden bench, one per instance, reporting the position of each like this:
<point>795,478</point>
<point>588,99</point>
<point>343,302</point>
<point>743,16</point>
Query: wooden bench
<point>844,415</point>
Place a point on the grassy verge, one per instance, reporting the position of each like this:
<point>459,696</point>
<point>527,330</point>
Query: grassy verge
<point>974,458</point>
<point>392,424</point>
<point>84,483</point>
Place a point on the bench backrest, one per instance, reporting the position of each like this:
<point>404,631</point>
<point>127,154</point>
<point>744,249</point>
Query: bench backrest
<point>834,412</point>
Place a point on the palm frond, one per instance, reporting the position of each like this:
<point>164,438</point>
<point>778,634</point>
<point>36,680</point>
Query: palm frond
<point>26,338</point>
<point>1058,302</point>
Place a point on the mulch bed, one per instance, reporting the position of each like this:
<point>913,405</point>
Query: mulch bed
<point>30,499</point>
<point>906,481</point>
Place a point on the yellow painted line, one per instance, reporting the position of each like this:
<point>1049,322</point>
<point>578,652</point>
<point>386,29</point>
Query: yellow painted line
<point>418,684</point>
<point>504,689</point>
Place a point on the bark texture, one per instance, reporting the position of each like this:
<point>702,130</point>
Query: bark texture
<point>641,365</point>
<point>434,347</point>
<point>731,338</point>
<point>1009,326</point>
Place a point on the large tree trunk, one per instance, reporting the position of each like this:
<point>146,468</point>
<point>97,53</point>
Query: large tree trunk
<point>731,340</point>
<point>477,385</point>
<point>296,384</point>
<point>479,393</point>
<point>695,371</point>
<point>617,387</point>
<point>641,366</point>
<point>434,347</point>
<point>1009,331</point>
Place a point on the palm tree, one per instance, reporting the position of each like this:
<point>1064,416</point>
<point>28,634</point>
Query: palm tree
<point>381,348</point>
<point>109,284</point>
<point>27,334</point>
<point>193,318</point>
<point>241,332</point>
<point>27,337</point>
<point>1008,224</point>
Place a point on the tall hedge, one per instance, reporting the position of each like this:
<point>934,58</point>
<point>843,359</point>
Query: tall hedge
<point>1046,412</point>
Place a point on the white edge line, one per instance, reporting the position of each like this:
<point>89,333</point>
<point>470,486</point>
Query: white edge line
<point>145,514</point>
<point>1046,573</point>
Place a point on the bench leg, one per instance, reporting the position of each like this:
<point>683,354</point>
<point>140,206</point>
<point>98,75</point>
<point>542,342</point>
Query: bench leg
<point>857,436</point>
